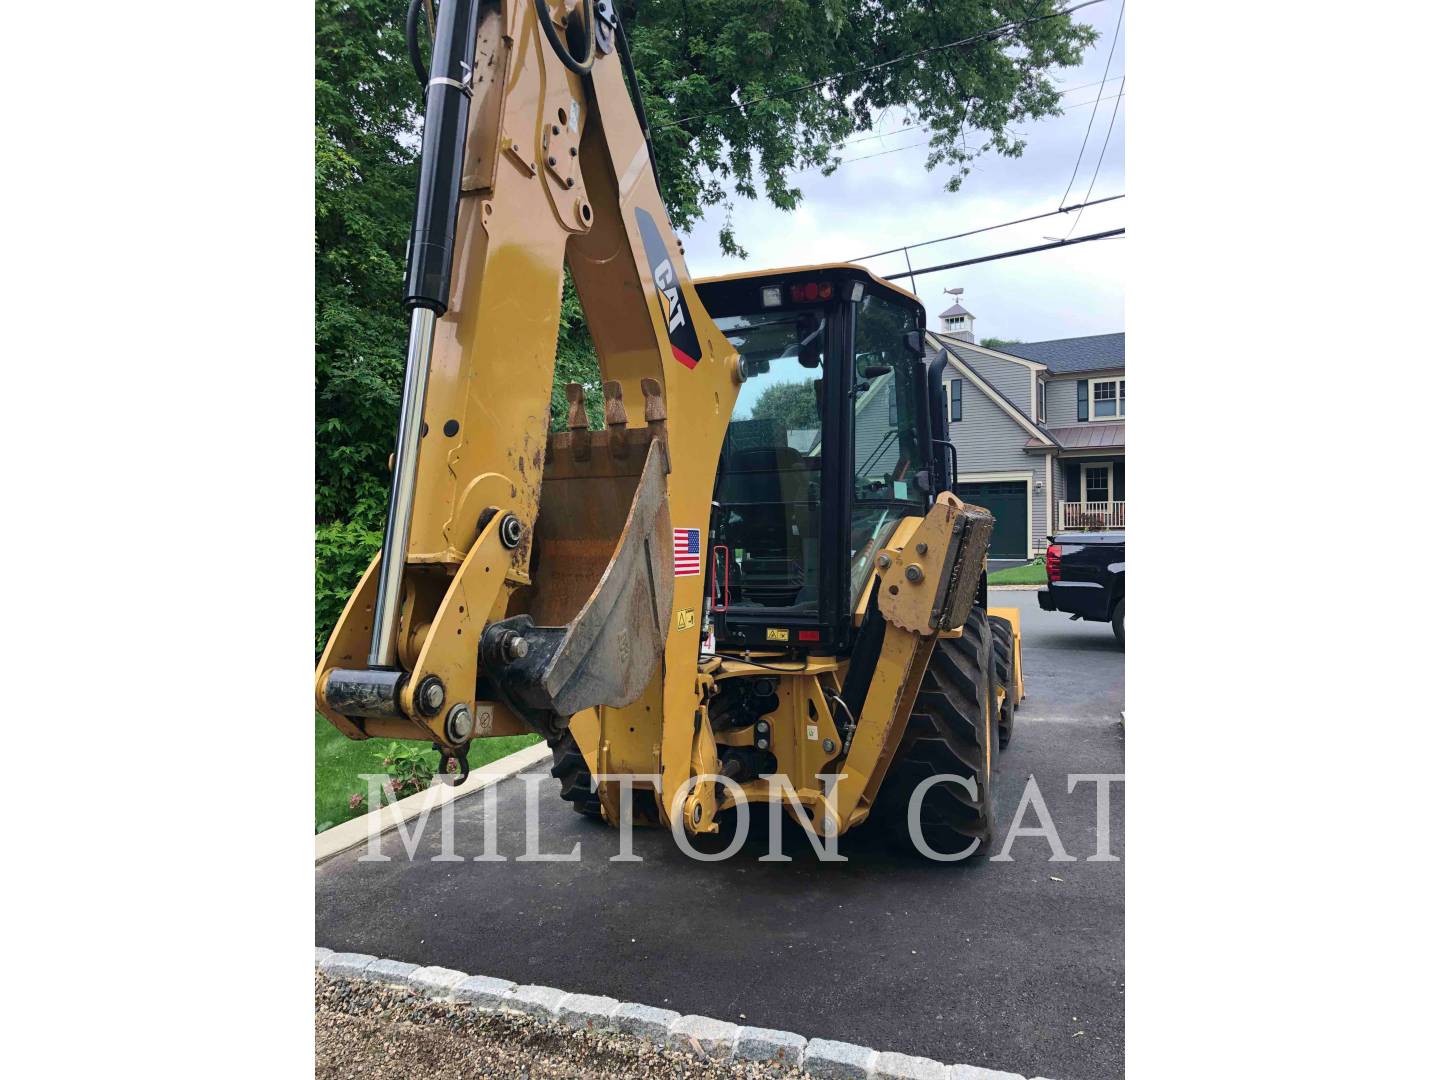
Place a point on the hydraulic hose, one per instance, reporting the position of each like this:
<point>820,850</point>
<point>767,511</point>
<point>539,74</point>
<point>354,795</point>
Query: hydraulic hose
<point>579,67</point>
<point>633,82</point>
<point>412,42</point>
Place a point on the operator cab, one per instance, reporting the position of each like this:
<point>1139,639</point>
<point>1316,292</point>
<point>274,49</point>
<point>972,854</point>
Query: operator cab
<point>828,448</point>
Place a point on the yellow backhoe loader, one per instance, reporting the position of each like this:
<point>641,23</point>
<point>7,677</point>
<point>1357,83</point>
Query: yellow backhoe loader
<point>755,571</point>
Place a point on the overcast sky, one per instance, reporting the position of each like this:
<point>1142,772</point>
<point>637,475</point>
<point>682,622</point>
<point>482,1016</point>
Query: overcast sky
<point>879,200</point>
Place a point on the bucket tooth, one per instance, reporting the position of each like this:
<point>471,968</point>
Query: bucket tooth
<point>616,418</point>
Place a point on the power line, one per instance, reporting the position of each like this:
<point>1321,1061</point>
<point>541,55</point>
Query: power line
<point>988,35</point>
<point>1114,40</point>
<point>1101,159</point>
<point>921,142</point>
<point>1007,254</point>
<point>989,228</point>
<point>916,127</point>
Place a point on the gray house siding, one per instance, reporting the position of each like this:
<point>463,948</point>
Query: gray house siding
<point>872,425</point>
<point>988,440</point>
<point>1060,396</point>
<point>1010,378</point>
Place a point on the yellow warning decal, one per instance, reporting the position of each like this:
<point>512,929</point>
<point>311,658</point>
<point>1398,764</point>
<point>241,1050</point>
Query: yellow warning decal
<point>777,633</point>
<point>685,618</point>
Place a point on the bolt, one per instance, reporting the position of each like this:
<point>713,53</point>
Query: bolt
<point>884,562</point>
<point>510,531</point>
<point>696,814</point>
<point>762,744</point>
<point>829,745</point>
<point>555,129</point>
<point>573,151</point>
<point>762,728</point>
<point>914,574</point>
<point>432,695</point>
<point>570,181</point>
<point>550,161</point>
<point>921,548</point>
<point>513,646</point>
<point>459,725</point>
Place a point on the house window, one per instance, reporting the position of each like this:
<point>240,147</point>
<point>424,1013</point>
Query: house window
<point>1039,399</point>
<point>957,400</point>
<point>1097,483</point>
<point>1107,399</point>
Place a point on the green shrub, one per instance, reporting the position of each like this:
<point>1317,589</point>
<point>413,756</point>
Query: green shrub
<point>342,552</point>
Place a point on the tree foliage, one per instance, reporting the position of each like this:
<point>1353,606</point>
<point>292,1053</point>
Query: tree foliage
<point>811,73</point>
<point>999,343</point>
<point>695,60</point>
<point>792,404</point>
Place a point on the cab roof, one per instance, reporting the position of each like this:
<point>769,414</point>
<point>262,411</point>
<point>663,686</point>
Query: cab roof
<point>787,271</point>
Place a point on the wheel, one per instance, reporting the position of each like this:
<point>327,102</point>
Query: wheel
<point>1117,621</point>
<point>1004,637</point>
<point>951,731</point>
<point>574,776</point>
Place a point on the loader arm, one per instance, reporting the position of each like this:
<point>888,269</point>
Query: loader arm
<point>528,576</point>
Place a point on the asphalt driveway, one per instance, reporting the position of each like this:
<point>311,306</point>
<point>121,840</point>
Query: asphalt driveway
<point>1013,965</point>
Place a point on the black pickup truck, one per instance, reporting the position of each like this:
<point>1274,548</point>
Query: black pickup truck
<point>1086,573</point>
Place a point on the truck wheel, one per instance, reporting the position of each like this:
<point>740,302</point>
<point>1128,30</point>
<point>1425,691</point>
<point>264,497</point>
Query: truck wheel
<point>1004,638</point>
<point>1117,621</point>
<point>574,776</point>
<point>951,731</point>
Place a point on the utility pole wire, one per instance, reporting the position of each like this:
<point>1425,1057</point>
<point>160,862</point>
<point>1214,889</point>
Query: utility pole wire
<point>990,228</point>
<point>1101,159</point>
<point>912,274</point>
<point>988,35</point>
<point>926,131</point>
<point>911,128</point>
<point>1114,40</point>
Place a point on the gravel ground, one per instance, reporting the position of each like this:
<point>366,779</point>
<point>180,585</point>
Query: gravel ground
<point>362,1029</point>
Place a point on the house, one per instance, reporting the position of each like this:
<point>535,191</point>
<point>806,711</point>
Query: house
<point>1039,430</point>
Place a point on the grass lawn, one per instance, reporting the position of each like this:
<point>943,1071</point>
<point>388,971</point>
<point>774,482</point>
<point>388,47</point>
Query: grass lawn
<point>340,761</point>
<point>1032,573</point>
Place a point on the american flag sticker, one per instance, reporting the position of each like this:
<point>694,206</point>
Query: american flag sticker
<point>687,552</point>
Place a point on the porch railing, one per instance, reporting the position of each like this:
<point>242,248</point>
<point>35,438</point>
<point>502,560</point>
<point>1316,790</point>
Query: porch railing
<point>1094,515</point>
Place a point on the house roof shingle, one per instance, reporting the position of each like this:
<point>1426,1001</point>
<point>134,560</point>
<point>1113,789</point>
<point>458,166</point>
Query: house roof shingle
<point>1069,356</point>
<point>953,310</point>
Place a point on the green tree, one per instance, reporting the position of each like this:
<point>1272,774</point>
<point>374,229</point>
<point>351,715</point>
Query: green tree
<point>792,404</point>
<point>741,95</point>
<point>999,343</point>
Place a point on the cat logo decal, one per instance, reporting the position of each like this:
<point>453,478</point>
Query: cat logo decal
<point>684,345</point>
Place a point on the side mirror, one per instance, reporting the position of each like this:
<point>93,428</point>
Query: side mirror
<point>912,342</point>
<point>875,371</point>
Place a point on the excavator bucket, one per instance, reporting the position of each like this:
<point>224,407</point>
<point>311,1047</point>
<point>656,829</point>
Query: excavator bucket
<point>596,618</point>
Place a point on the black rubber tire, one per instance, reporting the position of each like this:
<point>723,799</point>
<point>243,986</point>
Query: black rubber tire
<point>951,730</point>
<point>1004,639</point>
<point>574,776</point>
<point>1117,621</point>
